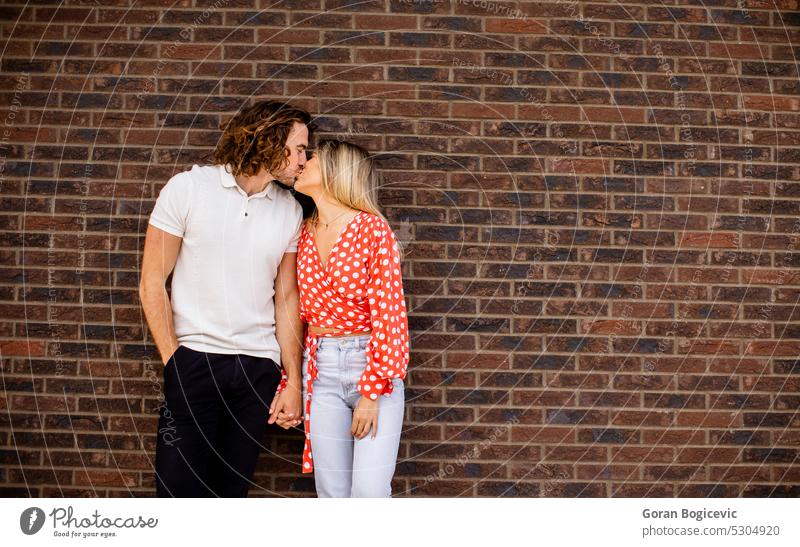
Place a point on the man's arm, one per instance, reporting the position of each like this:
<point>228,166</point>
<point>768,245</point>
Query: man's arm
<point>160,254</point>
<point>288,325</point>
<point>289,332</point>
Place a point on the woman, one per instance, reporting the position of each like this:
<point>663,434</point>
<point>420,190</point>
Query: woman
<point>356,345</point>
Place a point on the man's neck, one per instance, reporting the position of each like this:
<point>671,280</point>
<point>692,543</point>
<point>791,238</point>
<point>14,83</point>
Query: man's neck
<point>255,184</point>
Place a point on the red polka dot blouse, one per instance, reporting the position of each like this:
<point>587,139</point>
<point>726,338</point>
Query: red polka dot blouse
<point>359,290</point>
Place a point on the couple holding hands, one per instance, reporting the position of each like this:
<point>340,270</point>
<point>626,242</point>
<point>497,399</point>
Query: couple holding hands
<point>267,307</point>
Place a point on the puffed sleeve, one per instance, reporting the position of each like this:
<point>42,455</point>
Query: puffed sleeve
<point>387,352</point>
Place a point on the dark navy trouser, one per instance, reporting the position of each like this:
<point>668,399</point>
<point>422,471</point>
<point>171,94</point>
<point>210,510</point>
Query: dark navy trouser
<point>211,422</point>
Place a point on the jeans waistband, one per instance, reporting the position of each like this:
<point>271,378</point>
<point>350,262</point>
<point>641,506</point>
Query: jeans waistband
<point>354,341</point>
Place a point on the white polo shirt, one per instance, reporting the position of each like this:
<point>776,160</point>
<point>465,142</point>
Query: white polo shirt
<point>224,279</point>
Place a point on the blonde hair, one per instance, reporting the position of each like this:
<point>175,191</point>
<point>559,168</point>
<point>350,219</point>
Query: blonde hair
<point>348,175</point>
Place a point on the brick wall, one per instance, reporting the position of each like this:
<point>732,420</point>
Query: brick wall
<point>599,204</point>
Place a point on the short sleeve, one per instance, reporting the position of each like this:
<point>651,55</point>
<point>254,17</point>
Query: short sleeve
<point>387,351</point>
<point>298,228</point>
<point>171,210</point>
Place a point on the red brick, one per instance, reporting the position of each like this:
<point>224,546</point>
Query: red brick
<point>517,25</point>
<point>716,240</point>
<point>771,102</point>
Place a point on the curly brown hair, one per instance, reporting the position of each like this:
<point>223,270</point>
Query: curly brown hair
<point>256,137</point>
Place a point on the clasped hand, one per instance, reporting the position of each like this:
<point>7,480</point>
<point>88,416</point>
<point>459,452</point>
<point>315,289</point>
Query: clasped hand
<point>286,410</point>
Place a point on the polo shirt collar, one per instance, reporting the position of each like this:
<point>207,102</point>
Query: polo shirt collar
<point>228,181</point>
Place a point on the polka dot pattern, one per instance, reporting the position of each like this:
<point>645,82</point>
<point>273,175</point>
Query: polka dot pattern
<point>358,290</point>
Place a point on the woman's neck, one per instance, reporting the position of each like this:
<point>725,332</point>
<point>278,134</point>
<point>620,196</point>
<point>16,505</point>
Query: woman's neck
<point>329,209</point>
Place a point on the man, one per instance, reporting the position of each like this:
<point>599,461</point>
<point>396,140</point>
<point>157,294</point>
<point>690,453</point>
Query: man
<point>230,233</point>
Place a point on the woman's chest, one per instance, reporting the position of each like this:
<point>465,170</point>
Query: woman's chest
<point>344,275</point>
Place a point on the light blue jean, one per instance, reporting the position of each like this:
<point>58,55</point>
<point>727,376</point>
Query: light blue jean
<point>343,465</point>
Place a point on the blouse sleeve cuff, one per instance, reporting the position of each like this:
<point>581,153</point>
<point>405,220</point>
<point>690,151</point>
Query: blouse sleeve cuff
<point>284,380</point>
<point>373,388</point>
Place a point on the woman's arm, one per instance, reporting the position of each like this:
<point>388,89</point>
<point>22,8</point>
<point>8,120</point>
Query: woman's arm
<point>387,351</point>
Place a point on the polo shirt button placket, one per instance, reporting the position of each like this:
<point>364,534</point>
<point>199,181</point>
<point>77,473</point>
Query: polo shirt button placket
<point>246,199</point>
